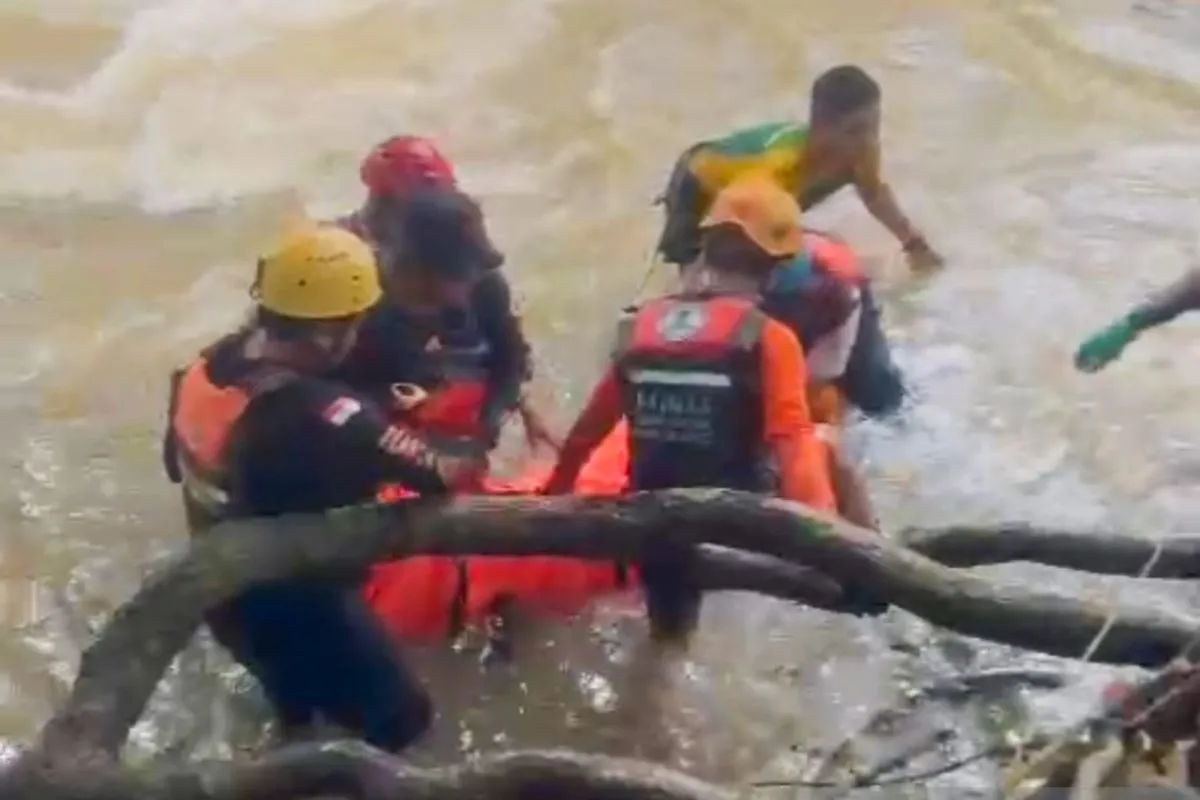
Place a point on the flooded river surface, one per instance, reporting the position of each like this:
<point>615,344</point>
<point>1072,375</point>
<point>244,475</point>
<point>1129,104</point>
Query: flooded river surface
<point>148,147</point>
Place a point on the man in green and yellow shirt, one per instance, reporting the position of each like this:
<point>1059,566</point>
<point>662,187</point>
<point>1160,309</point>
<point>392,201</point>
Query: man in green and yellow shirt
<point>839,147</point>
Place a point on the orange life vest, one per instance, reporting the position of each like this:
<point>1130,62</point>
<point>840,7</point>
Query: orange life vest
<point>689,366</point>
<point>834,258</point>
<point>204,418</point>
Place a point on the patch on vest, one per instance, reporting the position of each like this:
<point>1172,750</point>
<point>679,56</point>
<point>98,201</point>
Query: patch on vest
<point>682,322</point>
<point>339,412</point>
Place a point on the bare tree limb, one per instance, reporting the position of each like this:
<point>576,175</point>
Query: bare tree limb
<point>355,770</point>
<point>724,570</point>
<point>1101,553</point>
<point>119,671</point>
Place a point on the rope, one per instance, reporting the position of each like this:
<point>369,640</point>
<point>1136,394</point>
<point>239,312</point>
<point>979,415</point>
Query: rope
<point>1043,757</point>
<point>1048,753</point>
<point>1113,615</point>
<point>651,267</point>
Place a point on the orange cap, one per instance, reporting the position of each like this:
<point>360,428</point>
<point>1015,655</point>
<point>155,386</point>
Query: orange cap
<point>769,216</point>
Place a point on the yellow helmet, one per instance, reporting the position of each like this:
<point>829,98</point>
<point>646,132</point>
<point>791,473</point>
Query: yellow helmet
<point>317,272</point>
<point>766,213</point>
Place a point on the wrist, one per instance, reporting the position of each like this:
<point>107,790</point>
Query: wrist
<point>1135,322</point>
<point>914,241</point>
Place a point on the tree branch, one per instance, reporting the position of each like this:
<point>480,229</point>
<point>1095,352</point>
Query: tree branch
<point>724,570</point>
<point>355,770</point>
<point>119,671</point>
<point>1103,554</point>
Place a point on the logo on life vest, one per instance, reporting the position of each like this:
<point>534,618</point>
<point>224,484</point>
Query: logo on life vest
<point>682,322</point>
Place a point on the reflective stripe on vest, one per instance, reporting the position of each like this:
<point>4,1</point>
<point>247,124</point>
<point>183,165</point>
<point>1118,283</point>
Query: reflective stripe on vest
<point>679,378</point>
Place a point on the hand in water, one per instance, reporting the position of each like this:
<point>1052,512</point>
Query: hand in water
<point>1104,346</point>
<point>922,258</point>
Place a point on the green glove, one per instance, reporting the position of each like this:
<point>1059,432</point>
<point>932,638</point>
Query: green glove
<point>1105,346</point>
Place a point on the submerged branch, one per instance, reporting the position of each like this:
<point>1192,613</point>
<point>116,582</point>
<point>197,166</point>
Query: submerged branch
<point>1101,553</point>
<point>120,670</point>
<point>351,769</point>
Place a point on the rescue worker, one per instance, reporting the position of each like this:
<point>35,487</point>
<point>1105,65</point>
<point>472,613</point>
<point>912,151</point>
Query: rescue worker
<point>477,345</point>
<point>839,147</point>
<point>713,390</point>
<point>706,379</point>
<point>444,334</point>
<point>255,430</point>
<point>1164,306</point>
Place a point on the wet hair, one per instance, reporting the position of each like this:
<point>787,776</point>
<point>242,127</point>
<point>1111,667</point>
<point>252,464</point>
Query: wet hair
<point>444,232</point>
<point>726,248</point>
<point>384,218</point>
<point>841,90</point>
<point>437,229</point>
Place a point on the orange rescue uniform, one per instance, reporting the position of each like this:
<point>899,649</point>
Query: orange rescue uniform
<point>721,341</point>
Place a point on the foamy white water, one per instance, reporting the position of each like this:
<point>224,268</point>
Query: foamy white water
<point>147,149</point>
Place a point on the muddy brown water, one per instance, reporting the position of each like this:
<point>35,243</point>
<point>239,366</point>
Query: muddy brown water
<point>148,147</point>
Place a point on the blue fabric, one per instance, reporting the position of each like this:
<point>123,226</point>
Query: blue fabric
<point>794,276</point>
<point>872,382</point>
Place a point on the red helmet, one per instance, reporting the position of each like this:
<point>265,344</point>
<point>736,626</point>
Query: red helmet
<point>403,163</point>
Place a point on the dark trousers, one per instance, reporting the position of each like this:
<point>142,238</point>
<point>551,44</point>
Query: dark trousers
<point>872,382</point>
<point>318,650</point>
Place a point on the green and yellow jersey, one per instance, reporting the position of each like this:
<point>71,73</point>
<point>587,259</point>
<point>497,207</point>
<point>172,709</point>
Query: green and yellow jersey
<point>782,151</point>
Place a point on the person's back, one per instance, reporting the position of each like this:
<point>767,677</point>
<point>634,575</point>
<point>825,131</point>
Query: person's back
<point>713,388</point>
<point>293,454</point>
<point>694,397</point>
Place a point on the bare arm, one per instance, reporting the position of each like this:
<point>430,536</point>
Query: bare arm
<point>878,198</point>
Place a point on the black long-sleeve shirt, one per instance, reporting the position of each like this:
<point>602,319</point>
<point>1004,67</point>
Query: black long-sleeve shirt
<point>313,444</point>
<point>392,347</point>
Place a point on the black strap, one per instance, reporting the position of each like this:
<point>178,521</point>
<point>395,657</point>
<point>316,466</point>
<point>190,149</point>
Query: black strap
<point>624,337</point>
<point>750,329</point>
<point>170,446</point>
